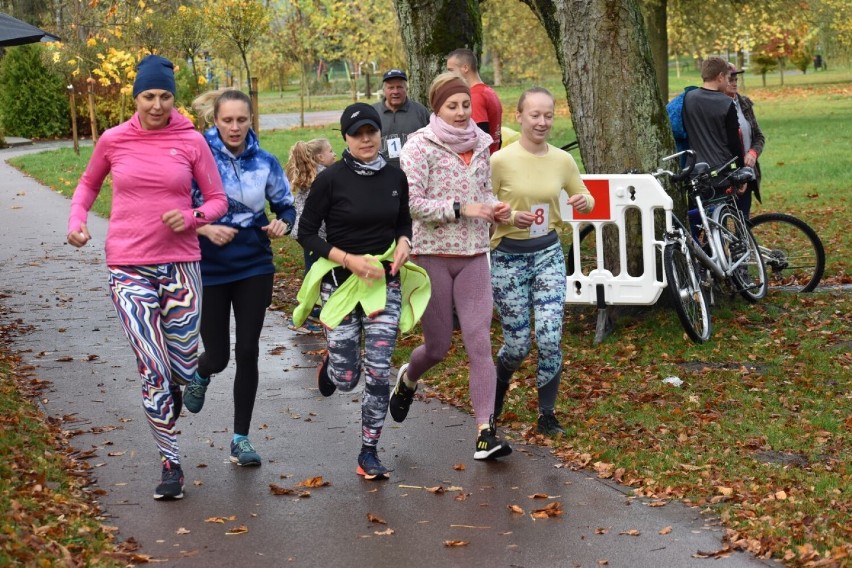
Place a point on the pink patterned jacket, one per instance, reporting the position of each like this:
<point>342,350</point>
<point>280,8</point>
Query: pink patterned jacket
<point>437,177</point>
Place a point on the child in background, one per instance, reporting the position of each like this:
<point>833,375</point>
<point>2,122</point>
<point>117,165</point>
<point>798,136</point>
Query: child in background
<point>306,161</point>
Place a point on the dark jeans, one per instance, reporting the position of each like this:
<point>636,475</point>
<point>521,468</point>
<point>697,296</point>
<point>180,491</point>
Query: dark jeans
<point>249,298</point>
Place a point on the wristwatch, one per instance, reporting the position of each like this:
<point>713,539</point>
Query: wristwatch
<point>198,214</point>
<point>457,209</point>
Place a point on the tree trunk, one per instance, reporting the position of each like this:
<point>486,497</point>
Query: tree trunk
<point>432,29</point>
<point>616,106</point>
<point>497,65</point>
<point>655,22</point>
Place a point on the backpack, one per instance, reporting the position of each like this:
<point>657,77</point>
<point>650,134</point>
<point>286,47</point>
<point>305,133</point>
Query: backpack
<point>675,110</point>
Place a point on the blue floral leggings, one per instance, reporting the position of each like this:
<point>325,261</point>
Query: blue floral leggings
<point>525,285</point>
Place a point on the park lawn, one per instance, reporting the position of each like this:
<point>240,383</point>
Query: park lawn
<point>760,431</point>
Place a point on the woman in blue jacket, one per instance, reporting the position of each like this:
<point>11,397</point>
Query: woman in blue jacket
<point>236,257</point>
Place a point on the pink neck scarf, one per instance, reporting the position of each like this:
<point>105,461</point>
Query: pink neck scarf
<point>458,139</point>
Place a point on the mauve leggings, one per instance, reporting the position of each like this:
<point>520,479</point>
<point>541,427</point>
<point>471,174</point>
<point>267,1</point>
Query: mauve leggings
<point>463,282</point>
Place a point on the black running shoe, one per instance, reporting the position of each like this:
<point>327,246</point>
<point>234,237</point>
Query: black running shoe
<point>549,425</point>
<point>171,486</point>
<point>324,383</point>
<point>369,465</point>
<point>489,446</point>
<point>401,397</point>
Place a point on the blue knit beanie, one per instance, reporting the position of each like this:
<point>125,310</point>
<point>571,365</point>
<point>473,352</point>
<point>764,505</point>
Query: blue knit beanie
<point>154,72</point>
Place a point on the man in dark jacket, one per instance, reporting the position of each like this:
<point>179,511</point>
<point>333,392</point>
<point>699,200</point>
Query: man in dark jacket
<point>710,117</point>
<point>400,115</point>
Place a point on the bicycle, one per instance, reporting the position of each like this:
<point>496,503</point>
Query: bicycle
<point>718,237</point>
<point>792,251</point>
<point>716,251</point>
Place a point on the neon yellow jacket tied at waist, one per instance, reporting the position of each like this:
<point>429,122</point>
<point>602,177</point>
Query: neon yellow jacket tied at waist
<point>415,285</point>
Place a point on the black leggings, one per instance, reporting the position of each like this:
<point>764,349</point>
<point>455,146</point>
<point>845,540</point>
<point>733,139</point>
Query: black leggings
<point>250,298</point>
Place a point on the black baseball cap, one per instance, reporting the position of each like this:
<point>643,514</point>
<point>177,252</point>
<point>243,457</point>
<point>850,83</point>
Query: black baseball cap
<point>395,74</point>
<point>357,115</point>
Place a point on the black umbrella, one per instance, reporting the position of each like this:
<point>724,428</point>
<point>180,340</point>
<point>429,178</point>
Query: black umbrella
<point>16,32</point>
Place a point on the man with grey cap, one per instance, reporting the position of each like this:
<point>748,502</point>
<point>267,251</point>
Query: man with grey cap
<point>400,115</point>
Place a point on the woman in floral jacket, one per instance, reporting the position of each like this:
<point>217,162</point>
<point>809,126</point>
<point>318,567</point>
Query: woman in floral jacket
<point>452,208</point>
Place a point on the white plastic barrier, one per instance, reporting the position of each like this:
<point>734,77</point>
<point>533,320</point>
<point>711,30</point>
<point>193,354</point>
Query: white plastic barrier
<point>615,195</point>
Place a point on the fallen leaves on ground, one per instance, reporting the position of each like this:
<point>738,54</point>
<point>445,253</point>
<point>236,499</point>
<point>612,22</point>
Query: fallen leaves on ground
<point>314,482</point>
<point>552,510</point>
<point>241,529</point>
<point>279,490</point>
<point>456,543</point>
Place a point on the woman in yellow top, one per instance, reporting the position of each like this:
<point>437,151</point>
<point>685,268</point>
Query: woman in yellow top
<point>527,262</point>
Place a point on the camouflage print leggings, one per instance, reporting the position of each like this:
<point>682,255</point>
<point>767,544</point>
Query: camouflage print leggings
<point>530,282</point>
<point>344,361</point>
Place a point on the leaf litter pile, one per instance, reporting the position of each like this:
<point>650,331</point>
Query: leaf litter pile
<point>49,519</point>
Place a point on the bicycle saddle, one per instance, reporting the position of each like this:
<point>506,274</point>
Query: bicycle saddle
<point>737,177</point>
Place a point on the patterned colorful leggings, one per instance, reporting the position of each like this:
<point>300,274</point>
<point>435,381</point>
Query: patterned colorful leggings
<point>531,282</point>
<point>344,358</point>
<point>159,307</point>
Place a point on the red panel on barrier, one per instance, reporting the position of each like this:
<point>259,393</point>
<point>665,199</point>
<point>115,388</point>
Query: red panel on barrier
<point>599,188</point>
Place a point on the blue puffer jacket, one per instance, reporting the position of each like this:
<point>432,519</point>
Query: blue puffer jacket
<point>250,180</point>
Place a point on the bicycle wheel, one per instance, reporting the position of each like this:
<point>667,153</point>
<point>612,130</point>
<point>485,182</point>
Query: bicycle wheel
<point>689,301</point>
<point>740,248</point>
<point>791,250</point>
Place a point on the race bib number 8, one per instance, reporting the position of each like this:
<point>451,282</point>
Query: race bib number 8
<point>541,220</point>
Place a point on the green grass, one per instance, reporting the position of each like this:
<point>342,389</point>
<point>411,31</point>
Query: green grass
<point>760,432</point>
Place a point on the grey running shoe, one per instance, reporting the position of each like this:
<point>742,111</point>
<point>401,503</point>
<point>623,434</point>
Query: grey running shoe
<point>194,393</point>
<point>243,453</point>
<point>369,465</point>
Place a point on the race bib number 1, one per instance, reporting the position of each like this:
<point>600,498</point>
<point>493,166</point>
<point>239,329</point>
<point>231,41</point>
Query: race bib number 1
<point>541,220</point>
<point>394,146</point>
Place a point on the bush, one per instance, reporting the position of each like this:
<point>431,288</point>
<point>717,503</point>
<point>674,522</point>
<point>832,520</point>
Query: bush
<point>32,98</point>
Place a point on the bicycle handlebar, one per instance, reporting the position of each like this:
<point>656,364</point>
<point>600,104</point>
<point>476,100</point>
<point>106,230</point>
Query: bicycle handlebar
<point>684,172</point>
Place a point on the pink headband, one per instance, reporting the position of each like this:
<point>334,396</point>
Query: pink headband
<point>445,91</point>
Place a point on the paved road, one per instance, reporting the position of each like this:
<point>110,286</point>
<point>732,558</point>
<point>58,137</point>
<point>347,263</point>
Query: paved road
<point>61,292</point>
<point>293,120</point>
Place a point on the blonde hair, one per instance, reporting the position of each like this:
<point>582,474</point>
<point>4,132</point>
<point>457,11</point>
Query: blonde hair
<point>206,105</point>
<point>533,91</point>
<point>441,84</point>
<point>301,168</point>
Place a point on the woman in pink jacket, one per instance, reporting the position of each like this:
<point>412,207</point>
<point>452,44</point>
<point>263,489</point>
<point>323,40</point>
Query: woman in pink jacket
<point>453,208</point>
<point>152,251</point>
